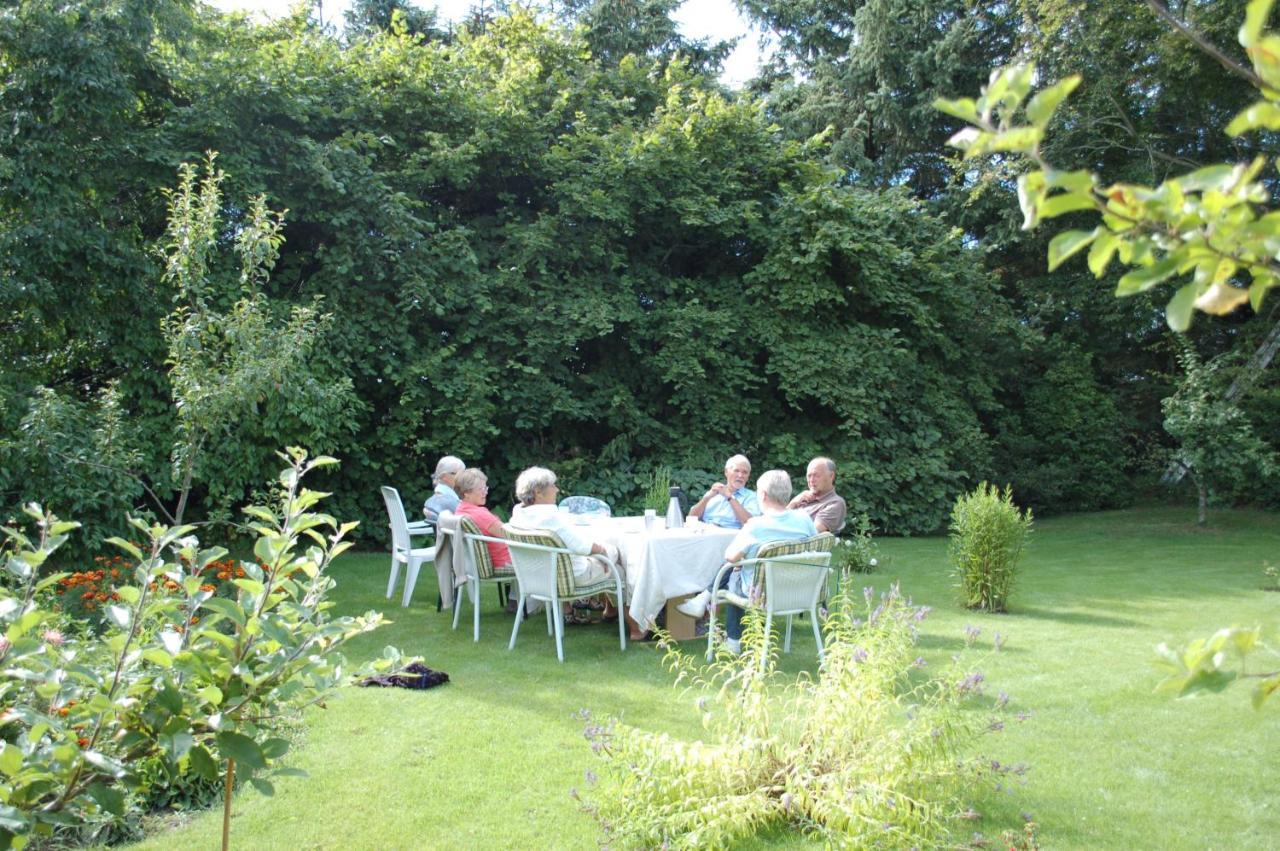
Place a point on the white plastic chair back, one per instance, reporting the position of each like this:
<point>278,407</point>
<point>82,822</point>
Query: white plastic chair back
<point>793,583</point>
<point>535,570</point>
<point>399,523</point>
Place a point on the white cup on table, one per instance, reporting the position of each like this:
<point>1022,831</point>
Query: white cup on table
<point>650,519</point>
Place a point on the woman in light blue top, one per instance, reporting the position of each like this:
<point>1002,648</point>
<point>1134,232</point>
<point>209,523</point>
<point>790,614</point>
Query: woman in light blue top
<point>729,503</point>
<point>444,498</point>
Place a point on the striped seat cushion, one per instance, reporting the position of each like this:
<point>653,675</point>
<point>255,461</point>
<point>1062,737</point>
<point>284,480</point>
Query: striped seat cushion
<point>480,553</point>
<point>823,542</point>
<point>565,584</point>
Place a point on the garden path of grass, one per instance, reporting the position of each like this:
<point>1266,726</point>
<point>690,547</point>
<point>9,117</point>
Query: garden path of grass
<point>489,759</point>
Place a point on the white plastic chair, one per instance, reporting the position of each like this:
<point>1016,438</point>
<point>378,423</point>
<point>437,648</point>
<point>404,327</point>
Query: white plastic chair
<point>790,577</point>
<point>402,549</point>
<point>544,571</point>
<point>469,545</point>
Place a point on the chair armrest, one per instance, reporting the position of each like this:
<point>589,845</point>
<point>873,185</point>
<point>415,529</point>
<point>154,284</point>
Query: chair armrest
<point>421,527</point>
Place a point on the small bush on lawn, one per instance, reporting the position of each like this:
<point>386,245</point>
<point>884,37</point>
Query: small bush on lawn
<point>867,754</point>
<point>857,551</point>
<point>987,535</point>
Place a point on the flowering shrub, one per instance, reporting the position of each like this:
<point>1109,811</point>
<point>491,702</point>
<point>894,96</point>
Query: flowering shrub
<point>84,595</point>
<point>869,753</point>
<point>197,683</point>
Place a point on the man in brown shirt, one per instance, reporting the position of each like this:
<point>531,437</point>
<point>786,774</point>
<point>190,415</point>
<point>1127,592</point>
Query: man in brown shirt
<point>821,501</point>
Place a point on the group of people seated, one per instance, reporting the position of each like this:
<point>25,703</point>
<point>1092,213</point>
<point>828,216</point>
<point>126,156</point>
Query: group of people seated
<point>768,513</point>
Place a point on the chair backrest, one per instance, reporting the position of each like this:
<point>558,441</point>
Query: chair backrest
<point>399,524</point>
<point>541,562</point>
<point>585,505</point>
<point>794,573</point>
<point>479,562</point>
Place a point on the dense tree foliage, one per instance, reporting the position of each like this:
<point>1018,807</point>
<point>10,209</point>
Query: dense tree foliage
<point>870,70</point>
<point>552,241</point>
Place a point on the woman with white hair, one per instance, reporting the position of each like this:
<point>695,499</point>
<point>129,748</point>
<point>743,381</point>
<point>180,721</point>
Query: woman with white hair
<point>777,523</point>
<point>445,498</point>
<point>729,504</point>
<point>592,561</point>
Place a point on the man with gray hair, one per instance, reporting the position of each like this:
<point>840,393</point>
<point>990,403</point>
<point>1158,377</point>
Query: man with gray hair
<point>729,504</point>
<point>820,501</point>
<point>444,498</point>
<point>777,523</point>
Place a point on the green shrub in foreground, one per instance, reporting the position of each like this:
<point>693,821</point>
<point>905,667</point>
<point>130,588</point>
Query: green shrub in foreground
<point>184,684</point>
<point>867,753</point>
<point>987,534</point>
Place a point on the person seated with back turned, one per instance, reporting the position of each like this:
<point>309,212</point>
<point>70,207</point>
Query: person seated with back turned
<point>445,498</point>
<point>473,491</point>
<point>537,490</point>
<point>777,523</point>
<point>729,503</point>
<point>820,501</point>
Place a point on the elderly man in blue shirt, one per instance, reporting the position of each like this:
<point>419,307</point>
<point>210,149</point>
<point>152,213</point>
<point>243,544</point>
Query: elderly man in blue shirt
<point>729,503</point>
<point>443,498</point>
<point>777,523</point>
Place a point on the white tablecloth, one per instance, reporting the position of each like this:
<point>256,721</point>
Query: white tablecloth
<point>663,563</point>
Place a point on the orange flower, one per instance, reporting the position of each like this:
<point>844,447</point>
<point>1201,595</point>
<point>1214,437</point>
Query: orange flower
<point>63,711</point>
<point>87,595</point>
<point>82,742</point>
<point>90,606</point>
<point>209,588</point>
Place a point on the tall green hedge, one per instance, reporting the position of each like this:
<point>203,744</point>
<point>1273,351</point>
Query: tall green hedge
<point>531,257</point>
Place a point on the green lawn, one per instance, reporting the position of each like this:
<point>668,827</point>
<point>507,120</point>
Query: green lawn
<point>489,759</point>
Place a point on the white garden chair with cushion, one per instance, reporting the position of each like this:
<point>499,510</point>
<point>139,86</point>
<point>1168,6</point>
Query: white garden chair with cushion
<point>478,564</point>
<point>402,549</point>
<point>544,571</point>
<point>790,577</point>
<point>586,505</point>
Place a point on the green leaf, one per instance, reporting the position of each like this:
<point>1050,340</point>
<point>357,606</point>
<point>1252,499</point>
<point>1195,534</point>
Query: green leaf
<point>158,656</point>
<point>119,615</point>
<point>1262,114</point>
<point>264,786</point>
<point>1264,690</point>
<point>223,606</point>
<point>129,548</point>
<point>1180,308</point>
<point>1067,202</point>
<point>1141,280</point>
<point>106,797</point>
<point>10,759</point>
<point>1100,254</point>
<point>1255,18</point>
<point>242,749</point>
<point>275,748</point>
<point>203,763</point>
<point>1041,107</point>
<point>175,746</point>
<point>1065,244</point>
<point>963,108</point>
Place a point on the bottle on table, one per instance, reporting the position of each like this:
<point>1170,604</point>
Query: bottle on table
<point>675,517</point>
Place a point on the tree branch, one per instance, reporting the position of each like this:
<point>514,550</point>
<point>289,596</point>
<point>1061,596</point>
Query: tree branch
<point>1207,46</point>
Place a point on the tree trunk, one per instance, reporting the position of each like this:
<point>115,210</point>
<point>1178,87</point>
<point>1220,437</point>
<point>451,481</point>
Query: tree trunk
<point>1204,504</point>
<point>226,805</point>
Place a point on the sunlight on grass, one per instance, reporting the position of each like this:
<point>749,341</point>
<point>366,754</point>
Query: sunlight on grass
<point>489,759</point>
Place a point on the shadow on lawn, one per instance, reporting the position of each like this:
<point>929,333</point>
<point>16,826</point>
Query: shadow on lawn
<point>1078,618</point>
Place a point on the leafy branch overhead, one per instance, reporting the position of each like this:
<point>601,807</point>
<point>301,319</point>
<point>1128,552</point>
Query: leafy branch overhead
<point>1210,228</point>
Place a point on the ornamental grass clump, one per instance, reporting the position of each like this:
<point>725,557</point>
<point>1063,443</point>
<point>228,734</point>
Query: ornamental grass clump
<point>870,752</point>
<point>987,535</point>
